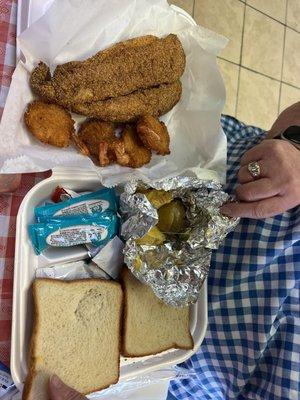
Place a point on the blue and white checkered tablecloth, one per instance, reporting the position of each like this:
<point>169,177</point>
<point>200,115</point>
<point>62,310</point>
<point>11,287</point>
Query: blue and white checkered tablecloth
<point>252,344</point>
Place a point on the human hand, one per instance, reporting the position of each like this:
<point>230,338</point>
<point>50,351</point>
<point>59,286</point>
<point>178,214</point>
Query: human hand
<point>288,117</point>
<point>9,182</point>
<point>278,187</point>
<point>59,391</point>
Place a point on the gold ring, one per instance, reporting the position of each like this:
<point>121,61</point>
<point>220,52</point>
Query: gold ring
<point>254,169</point>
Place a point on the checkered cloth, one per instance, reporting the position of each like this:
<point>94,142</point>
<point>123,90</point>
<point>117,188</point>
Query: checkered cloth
<point>8,18</point>
<point>9,203</point>
<point>252,345</point>
<point>9,206</point>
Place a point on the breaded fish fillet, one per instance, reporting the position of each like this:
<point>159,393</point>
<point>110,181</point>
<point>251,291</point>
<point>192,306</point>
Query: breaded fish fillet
<point>112,51</point>
<point>43,85</point>
<point>154,101</point>
<point>124,68</point>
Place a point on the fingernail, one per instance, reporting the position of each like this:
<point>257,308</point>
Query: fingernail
<point>55,381</point>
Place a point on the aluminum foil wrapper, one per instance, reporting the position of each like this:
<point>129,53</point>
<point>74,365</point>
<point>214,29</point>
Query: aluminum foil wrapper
<point>176,269</point>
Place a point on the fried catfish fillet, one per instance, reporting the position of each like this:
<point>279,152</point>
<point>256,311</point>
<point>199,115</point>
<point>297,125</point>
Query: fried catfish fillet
<point>69,67</point>
<point>49,123</point>
<point>154,134</point>
<point>122,69</point>
<point>155,101</point>
<point>129,150</point>
<point>92,132</point>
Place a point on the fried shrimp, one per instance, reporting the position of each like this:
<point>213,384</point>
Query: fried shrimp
<point>82,147</point>
<point>92,132</point>
<point>154,134</point>
<point>98,139</point>
<point>129,151</point>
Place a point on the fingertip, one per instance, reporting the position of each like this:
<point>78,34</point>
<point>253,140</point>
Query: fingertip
<point>55,381</point>
<point>226,210</point>
<point>55,386</point>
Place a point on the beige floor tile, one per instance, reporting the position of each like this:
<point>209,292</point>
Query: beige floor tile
<point>291,63</point>
<point>289,96</point>
<point>230,73</point>
<point>293,14</point>
<point>225,17</point>
<point>187,5</point>
<point>262,44</point>
<point>274,8</point>
<point>258,98</point>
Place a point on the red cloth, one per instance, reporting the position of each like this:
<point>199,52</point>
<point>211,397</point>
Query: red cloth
<point>9,203</point>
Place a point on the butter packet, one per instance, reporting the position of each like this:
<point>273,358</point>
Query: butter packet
<point>6,382</point>
<point>87,204</point>
<point>96,229</point>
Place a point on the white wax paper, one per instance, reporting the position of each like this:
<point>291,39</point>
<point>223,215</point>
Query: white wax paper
<point>77,29</point>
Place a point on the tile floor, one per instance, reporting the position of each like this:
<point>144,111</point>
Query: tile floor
<point>261,64</point>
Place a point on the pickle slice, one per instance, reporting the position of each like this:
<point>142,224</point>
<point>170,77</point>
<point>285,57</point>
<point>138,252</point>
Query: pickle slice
<point>158,198</point>
<point>171,217</point>
<point>152,238</point>
<point>137,263</point>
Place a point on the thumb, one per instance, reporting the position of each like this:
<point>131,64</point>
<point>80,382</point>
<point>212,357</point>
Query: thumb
<point>59,391</point>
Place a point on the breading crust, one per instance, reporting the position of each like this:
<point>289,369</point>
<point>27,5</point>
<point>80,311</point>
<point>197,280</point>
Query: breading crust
<point>124,68</point>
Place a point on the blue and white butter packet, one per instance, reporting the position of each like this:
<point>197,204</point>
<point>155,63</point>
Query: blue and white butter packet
<point>68,231</point>
<point>87,204</point>
<point>6,382</point>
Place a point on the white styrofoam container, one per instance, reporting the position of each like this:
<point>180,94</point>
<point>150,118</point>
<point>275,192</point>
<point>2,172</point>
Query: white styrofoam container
<point>26,262</point>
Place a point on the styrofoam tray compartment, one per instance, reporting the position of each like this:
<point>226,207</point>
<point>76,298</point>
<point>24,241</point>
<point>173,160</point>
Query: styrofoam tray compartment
<point>26,262</point>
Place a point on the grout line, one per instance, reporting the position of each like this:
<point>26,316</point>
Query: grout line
<point>279,99</point>
<point>243,30</point>
<point>194,9</point>
<point>291,85</point>
<point>232,62</point>
<point>267,15</point>
<point>259,73</point>
<point>274,19</point>
<point>292,29</point>
<point>282,62</point>
<point>237,92</point>
<point>253,70</point>
<point>239,72</point>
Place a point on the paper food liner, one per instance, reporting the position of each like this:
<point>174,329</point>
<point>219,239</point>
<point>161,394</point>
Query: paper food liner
<point>77,29</point>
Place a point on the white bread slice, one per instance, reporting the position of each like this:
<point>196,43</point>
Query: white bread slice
<point>76,335</point>
<point>149,325</point>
